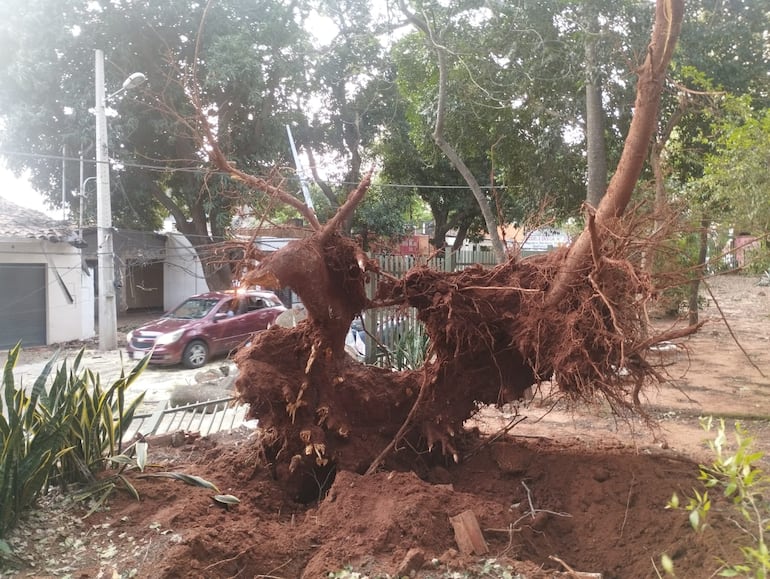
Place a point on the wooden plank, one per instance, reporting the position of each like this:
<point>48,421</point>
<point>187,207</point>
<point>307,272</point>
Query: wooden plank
<point>468,534</point>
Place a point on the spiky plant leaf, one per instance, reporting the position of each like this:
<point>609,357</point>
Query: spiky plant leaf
<point>141,454</point>
<point>186,478</point>
<point>227,499</point>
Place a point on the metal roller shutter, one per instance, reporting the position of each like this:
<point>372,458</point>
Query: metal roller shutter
<point>23,304</point>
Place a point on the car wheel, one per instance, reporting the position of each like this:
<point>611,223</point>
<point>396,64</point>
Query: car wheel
<point>195,354</point>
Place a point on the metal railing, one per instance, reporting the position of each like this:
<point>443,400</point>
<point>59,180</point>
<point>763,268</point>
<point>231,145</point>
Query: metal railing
<point>203,417</point>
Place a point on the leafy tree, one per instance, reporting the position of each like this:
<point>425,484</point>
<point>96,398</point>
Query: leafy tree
<point>736,173</point>
<point>709,64</point>
<point>709,70</point>
<point>244,63</point>
<point>352,81</point>
<point>383,214</point>
<point>434,180</point>
<point>515,99</point>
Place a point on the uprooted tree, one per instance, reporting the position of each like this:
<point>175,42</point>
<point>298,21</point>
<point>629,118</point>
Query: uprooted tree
<point>575,317</point>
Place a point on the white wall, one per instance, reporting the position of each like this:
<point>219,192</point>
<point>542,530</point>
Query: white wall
<point>182,271</point>
<point>64,313</point>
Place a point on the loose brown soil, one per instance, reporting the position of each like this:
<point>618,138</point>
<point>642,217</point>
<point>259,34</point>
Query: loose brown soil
<point>570,487</point>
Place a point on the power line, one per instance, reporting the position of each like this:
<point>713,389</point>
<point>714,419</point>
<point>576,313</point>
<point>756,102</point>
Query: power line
<point>204,171</point>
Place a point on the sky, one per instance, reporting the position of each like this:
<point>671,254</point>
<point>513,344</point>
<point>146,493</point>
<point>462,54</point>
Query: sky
<point>19,191</point>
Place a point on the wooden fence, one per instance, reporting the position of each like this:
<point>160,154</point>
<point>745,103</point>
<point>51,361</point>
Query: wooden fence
<point>398,265</point>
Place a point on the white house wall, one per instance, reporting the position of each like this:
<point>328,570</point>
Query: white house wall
<point>182,271</point>
<point>65,301</point>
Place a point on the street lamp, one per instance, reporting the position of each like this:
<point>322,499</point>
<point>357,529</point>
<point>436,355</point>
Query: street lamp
<point>108,325</point>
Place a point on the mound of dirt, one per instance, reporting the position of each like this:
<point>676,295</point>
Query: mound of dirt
<point>598,508</point>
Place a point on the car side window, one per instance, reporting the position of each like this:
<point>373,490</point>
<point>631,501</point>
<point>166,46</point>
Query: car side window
<point>256,304</point>
<point>230,308</point>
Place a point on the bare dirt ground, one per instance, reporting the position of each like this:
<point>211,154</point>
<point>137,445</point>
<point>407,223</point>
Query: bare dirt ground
<point>569,490</point>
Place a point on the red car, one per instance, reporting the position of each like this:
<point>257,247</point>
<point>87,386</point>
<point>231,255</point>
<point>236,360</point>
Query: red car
<point>203,326</point>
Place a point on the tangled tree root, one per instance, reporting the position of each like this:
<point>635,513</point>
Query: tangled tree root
<point>492,336</point>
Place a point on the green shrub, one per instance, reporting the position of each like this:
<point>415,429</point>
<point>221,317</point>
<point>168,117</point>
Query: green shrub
<point>409,348</point>
<point>758,260</point>
<point>30,444</point>
<point>60,433</point>
<point>737,476</point>
<point>100,418</point>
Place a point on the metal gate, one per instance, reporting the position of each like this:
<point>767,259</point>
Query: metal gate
<point>23,307</point>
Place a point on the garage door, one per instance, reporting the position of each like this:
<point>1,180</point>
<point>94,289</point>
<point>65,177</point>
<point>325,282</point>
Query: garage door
<point>22,309</point>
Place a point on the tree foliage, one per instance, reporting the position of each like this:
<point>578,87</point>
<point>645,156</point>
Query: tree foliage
<point>736,173</point>
<point>362,94</point>
<point>243,58</point>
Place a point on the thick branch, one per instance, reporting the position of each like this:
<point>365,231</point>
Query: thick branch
<point>347,208</point>
<point>668,21</point>
<point>327,191</point>
<point>221,163</point>
<point>438,135</point>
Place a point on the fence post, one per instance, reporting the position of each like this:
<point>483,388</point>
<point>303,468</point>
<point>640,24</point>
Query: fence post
<point>369,318</point>
<point>157,418</point>
<point>450,260</point>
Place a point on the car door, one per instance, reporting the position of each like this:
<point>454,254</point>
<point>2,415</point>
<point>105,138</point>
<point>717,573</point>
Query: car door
<point>259,316</point>
<point>227,327</point>
<point>248,318</point>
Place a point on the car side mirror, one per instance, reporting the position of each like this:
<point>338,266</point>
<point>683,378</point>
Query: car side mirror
<point>220,316</point>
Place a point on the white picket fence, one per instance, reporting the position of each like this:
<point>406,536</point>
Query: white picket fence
<point>203,417</point>
<point>398,265</point>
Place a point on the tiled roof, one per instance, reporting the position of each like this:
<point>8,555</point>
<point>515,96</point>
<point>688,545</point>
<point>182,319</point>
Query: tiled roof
<point>16,221</point>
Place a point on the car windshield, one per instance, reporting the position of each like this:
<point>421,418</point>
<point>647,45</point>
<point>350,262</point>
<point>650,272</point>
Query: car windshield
<point>193,309</point>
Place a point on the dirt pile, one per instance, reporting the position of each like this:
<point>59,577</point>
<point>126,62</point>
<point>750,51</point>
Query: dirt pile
<point>597,508</point>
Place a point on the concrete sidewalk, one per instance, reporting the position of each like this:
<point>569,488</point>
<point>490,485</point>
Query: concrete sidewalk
<point>156,381</point>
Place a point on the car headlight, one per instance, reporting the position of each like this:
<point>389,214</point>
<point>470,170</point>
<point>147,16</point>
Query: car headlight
<point>170,338</point>
<point>130,336</point>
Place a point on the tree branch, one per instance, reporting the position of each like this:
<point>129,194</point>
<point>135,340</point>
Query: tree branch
<point>668,21</point>
<point>347,208</point>
<point>438,133</point>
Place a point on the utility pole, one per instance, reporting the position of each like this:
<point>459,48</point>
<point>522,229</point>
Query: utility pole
<point>108,324</point>
<point>300,171</point>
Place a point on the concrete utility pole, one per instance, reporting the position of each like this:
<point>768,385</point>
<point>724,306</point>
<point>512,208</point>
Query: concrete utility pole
<point>108,324</point>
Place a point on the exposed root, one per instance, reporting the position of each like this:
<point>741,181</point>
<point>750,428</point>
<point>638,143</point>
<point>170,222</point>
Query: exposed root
<point>492,337</point>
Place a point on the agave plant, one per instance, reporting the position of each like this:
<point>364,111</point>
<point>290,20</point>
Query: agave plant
<point>410,348</point>
<point>100,418</point>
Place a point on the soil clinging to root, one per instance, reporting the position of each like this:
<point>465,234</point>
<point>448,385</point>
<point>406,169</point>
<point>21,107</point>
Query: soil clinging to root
<point>492,334</point>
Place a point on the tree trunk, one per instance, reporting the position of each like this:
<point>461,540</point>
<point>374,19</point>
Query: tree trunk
<point>490,220</point>
<point>699,271</point>
<point>596,146</point>
<point>216,270</point>
<point>438,135</point>
<point>659,174</point>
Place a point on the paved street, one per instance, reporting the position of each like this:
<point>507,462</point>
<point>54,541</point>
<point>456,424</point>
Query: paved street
<point>157,382</point>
